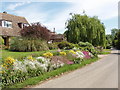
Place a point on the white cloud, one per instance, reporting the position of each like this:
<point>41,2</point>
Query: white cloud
<point>104,9</point>
<point>14,6</point>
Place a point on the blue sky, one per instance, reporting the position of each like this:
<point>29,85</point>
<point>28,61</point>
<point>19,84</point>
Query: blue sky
<point>54,14</point>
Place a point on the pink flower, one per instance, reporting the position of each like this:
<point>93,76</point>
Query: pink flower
<point>70,62</point>
<point>87,56</point>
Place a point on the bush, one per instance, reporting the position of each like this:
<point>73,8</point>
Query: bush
<point>108,46</point>
<point>85,44</point>
<point>65,45</point>
<point>28,45</point>
<point>1,41</point>
<point>52,46</point>
<point>88,47</point>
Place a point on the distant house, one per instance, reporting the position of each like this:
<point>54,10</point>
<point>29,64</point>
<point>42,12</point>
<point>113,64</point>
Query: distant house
<point>57,38</point>
<point>10,25</point>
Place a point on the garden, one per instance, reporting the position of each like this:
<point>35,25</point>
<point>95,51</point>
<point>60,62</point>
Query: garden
<point>19,67</point>
<point>31,59</point>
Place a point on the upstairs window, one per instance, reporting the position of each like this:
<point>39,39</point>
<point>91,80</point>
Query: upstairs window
<point>22,25</point>
<point>7,24</point>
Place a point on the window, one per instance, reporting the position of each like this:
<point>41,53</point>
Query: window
<point>25,25</point>
<point>22,25</point>
<point>7,24</point>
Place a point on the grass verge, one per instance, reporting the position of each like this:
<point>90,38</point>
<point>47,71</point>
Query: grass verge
<point>59,71</point>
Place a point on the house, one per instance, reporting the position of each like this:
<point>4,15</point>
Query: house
<point>57,38</point>
<point>10,25</point>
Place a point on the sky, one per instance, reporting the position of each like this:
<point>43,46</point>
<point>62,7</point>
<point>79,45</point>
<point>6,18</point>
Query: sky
<point>54,13</point>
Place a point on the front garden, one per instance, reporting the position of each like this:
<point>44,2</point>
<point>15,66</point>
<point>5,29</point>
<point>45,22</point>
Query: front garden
<point>30,59</point>
<point>18,68</point>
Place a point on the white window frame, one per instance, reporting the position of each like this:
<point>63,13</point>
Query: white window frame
<point>7,24</point>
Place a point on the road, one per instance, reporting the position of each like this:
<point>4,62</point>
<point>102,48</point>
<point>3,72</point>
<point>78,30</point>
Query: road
<point>101,74</point>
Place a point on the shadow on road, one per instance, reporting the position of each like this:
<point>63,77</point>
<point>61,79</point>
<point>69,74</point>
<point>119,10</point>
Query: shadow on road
<point>116,53</point>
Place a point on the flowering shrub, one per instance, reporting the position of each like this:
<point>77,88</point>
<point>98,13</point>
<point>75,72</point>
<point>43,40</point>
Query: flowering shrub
<point>9,60</point>
<point>14,71</point>
<point>80,54</point>
<point>73,52</point>
<point>63,53</point>
<point>48,54</point>
<point>30,58</point>
<point>87,56</point>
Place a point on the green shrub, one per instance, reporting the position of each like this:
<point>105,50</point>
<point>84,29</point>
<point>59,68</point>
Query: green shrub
<point>1,41</point>
<point>108,46</point>
<point>27,45</point>
<point>85,44</point>
<point>65,45</point>
<point>52,46</point>
<point>87,47</point>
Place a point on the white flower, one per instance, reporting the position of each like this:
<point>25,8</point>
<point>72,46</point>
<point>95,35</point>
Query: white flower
<point>18,65</point>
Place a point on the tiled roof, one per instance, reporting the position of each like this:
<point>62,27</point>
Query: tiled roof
<point>15,30</point>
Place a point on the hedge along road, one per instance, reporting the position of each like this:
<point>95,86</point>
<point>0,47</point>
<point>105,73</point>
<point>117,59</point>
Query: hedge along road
<point>100,74</point>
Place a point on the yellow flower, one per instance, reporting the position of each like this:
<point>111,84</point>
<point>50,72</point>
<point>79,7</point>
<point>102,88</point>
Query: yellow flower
<point>9,60</point>
<point>30,58</point>
<point>48,54</point>
<point>1,72</point>
<point>63,53</point>
<point>73,52</point>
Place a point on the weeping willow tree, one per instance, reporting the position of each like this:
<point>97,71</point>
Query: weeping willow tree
<point>85,29</point>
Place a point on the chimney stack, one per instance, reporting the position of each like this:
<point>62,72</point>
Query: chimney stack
<point>5,12</point>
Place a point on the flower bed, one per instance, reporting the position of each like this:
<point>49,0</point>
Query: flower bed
<point>14,71</point>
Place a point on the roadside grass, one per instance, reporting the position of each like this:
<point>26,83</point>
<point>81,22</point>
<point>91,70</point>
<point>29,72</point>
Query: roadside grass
<point>45,76</point>
<point>105,51</point>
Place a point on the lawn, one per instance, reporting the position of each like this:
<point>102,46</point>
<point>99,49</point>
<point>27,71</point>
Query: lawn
<point>20,55</point>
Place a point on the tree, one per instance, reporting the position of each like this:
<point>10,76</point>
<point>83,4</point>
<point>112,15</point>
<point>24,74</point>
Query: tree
<point>113,32</point>
<point>86,29</point>
<point>108,41</point>
<point>116,38</point>
<point>36,31</point>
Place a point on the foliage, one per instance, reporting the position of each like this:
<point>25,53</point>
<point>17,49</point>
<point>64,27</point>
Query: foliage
<point>116,40</point>
<point>109,40</point>
<point>48,54</point>
<point>23,44</point>
<point>73,52</point>
<point>52,46</point>
<point>1,41</point>
<point>22,70</point>
<point>30,66</point>
<point>113,33</point>
<point>36,31</point>
<point>85,29</point>
<point>45,76</point>
<point>63,53</point>
<point>88,47</point>
<point>65,45</point>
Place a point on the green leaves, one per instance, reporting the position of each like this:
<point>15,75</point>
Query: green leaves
<point>86,29</point>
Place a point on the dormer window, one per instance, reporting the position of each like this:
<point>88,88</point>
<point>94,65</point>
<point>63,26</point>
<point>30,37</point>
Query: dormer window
<point>7,24</point>
<point>22,25</point>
